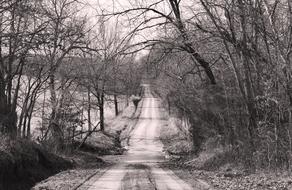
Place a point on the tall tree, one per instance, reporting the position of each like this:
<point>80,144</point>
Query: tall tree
<point>64,35</point>
<point>164,15</point>
<point>20,26</point>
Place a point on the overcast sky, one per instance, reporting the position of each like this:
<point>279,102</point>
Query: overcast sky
<point>93,8</point>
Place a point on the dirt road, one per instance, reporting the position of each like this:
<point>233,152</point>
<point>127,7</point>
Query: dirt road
<point>139,169</point>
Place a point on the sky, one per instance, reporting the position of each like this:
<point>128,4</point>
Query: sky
<point>93,8</point>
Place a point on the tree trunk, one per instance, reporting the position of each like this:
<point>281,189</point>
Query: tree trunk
<point>168,103</point>
<point>101,112</point>
<point>248,80</point>
<point>127,100</point>
<point>8,117</point>
<point>186,41</point>
<point>30,112</point>
<point>203,63</point>
<point>89,109</point>
<point>53,97</point>
<point>8,122</point>
<point>116,105</point>
<point>196,139</point>
<point>54,130</point>
<point>28,128</point>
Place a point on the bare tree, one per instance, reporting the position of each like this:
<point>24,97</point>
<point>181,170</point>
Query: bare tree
<point>20,27</point>
<point>168,17</point>
<point>64,35</point>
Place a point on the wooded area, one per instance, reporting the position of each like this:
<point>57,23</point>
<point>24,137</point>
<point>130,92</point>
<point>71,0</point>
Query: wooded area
<point>226,68</point>
<point>56,65</point>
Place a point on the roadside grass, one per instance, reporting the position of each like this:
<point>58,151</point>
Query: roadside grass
<point>115,137</point>
<point>176,141</point>
<point>23,163</point>
<point>88,160</point>
<point>68,180</point>
<point>101,144</point>
<point>215,167</point>
<point>86,163</point>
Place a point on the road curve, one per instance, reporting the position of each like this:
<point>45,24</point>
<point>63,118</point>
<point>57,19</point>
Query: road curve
<point>139,169</point>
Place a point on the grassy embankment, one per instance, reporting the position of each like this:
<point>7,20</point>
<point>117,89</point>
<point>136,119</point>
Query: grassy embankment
<point>23,163</point>
<point>215,167</point>
<point>87,162</point>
